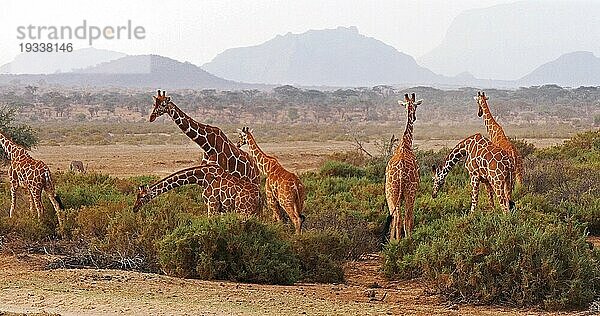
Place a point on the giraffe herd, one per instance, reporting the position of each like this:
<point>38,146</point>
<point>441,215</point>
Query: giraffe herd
<point>231,177</point>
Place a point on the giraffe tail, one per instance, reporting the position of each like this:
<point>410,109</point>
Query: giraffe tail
<point>59,201</point>
<point>385,232</point>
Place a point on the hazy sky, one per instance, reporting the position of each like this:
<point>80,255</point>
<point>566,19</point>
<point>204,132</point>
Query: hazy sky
<point>196,31</point>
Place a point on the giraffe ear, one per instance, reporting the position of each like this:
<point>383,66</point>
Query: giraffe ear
<point>419,102</point>
<point>476,98</point>
<point>401,103</point>
<point>168,99</point>
<point>239,131</point>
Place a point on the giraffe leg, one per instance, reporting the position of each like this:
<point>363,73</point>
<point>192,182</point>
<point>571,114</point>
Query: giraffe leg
<point>504,202</point>
<point>272,203</point>
<point>294,216</point>
<point>474,192</point>
<point>490,192</point>
<point>213,206</point>
<point>397,219</point>
<point>13,199</point>
<point>392,196</point>
<point>37,201</point>
<point>409,215</point>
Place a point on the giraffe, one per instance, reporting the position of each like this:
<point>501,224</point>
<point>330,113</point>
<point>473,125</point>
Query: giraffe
<point>31,174</point>
<point>402,177</point>
<point>486,164</point>
<point>498,137</point>
<point>284,190</point>
<point>222,191</point>
<point>211,139</point>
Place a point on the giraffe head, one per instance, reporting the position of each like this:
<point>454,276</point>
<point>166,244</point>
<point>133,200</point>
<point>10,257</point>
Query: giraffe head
<point>438,180</point>
<point>162,105</point>
<point>142,197</point>
<point>410,103</point>
<point>481,102</point>
<point>243,134</point>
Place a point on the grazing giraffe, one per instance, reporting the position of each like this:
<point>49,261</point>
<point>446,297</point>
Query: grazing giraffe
<point>284,189</point>
<point>211,139</point>
<point>223,192</point>
<point>402,177</point>
<point>31,174</point>
<point>486,163</point>
<point>497,135</point>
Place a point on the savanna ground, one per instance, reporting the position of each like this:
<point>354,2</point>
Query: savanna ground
<point>28,287</point>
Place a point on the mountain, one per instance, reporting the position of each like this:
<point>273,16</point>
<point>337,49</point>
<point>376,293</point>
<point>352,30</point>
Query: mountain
<point>508,41</point>
<point>571,70</point>
<point>331,57</point>
<point>49,63</point>
<point>140,71</point>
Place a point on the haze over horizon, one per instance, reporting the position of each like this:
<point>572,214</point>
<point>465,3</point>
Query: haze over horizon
<point>198,31</point>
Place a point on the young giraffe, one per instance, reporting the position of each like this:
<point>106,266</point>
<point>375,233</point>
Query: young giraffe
<point>284,189</point>
<point>497,135</point>
<point>31,174</point>
<point>211,139</point>
<point>223,192</point>
<point>402,177</point>
<point>486,163</point>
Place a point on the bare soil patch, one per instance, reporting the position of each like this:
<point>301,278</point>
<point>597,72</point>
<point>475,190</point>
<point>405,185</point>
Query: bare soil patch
<point>27,288</point>
<point>133,160</point>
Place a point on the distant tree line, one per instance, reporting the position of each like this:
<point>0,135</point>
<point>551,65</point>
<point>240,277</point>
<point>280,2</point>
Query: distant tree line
<point>289,104</point>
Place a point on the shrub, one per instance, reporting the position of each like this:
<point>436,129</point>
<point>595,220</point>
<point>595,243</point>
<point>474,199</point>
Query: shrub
<point>496,258</point>
<point>322,255</point>
<point>340,169</point>
<point>229,248</point>
<point>23,135</point>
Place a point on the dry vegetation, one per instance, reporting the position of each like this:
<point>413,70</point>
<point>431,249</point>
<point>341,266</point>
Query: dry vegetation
<point>448,263</point>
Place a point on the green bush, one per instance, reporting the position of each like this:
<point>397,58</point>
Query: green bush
<point>334,168</point>
<point>23,135</point>
<point>495,258</point>
<point>322,255</point>
<point>227,247</point>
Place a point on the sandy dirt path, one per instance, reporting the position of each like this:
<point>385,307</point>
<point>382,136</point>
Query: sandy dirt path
<point>26,288</point>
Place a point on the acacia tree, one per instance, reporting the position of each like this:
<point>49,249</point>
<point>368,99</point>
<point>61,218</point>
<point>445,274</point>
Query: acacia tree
<point>21,134</point>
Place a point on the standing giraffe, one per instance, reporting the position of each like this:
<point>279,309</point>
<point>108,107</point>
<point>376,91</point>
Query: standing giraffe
<point>284,189</point>
<point>211,139</point>
<point>402,177</point>
<point>497,135</point>
<point>31,174</point>
<point>486,164</point>
<point>222,191</point>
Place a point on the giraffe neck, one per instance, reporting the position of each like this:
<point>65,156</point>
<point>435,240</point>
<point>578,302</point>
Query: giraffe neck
<point>265,162</point>
<point>492,127</point>
<point>193,175</point>
<point>457,153</point>
<point>199,133</point>
<point>407,139</point>
<point>12,150</point>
